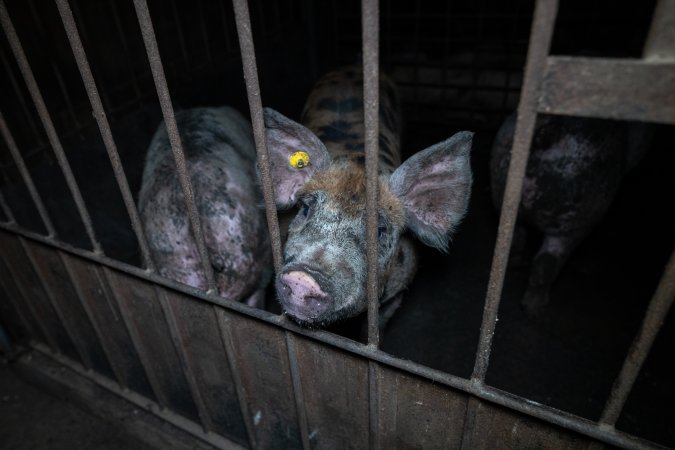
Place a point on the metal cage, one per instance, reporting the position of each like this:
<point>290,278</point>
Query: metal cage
<point>228,374</point>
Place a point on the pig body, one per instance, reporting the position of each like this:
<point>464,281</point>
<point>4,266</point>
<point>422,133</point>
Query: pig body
<point>220,159</point>
<point>324,274</point>
<point>574,170</point>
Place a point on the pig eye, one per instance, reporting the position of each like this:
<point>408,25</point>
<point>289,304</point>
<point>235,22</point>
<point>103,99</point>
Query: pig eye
<point>381,231</point>
<point>304,208</point>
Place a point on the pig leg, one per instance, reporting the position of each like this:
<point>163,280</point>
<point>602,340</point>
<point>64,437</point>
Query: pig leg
<point>546,266</point>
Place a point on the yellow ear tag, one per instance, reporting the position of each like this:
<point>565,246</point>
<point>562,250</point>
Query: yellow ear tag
<point>299,159</point>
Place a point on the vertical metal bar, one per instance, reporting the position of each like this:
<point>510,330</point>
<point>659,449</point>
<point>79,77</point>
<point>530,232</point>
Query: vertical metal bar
<point>125,46</point>
<point>104,127</point>
<point>74,337</point>
<point>58,75</point>
<point>22,101</point>
<point>297,390</point>
<point>228,344</point>
<point>373,405</point>
<point>656,314</point>
<point>172,128</point>
<point>90,315</point>
<point>6,210</point>
<point>371,103</point>
<point>27,179</point>
<point>136,341</point>
<point>52,341</point>
<point>182,352</point>
<point>540,40</point>
<point>243,21</point>
<point>21,59</point>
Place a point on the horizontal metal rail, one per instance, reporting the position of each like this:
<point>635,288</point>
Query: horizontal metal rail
<point>523,405</point>
<point>609,88</point>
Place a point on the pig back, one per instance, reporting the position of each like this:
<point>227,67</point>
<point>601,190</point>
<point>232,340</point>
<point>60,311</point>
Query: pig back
<point>220,161</point>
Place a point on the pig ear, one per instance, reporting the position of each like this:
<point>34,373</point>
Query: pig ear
<point>434,186</point>
<point>295,155</point>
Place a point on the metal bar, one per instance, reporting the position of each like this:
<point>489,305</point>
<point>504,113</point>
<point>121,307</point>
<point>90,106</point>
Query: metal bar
<point>297,390</point>
<point>469,422</point>
<point>184,358</point>
<point>51,340</point>
<point>125,46</point>
<point>152,50</point>
<point>143,403</point>
<point>58,75</point>
<point>374,441</point>
<point>79,345</point>
<point>225,330</point>
<point>27,179</point>
<point>99,332</point>
<point>656,314</point>
<point>22,101</point>
<point>371,105</point>
<point>540,39</point>
<point>6,210</point>
<point>660,44</point>
<point>525,406</point>
<point>136,341</point>
<point>34,90</point>
<point>243,22</point>
<point>104,127</point>
<point>622,89</point>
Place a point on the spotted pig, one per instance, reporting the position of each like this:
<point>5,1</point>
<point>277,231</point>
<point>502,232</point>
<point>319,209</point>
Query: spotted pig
<point>220,158</point>
<point>574,170</point>
<point>319,166</point>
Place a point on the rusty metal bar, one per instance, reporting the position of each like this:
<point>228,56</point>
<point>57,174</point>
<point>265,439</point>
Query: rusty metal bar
<point>479,390</point>
<point>25,174</point>
<point>74,337</point>
<point>225,330</point>
<point>620,89</point>
<point>104,127</point>
<point>243,21</point>
<point>6,210</point>
<point>145,22</point>
<point>183,356</point>
<point>297,390</point>
<point>142,402</point>
<point>540,39</point>
<point>90,315</point>
<point>660,44</point>
<point>374,441</point>
<point>125,46</point>
<point>34,90</point>
<point>26,301</point>
<point>371,105</point>
<point>22,101</point>
<point>136,341</point>
<point>655,316</point>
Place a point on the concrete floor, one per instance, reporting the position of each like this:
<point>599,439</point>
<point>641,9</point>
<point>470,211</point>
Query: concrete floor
<point>31,418</point>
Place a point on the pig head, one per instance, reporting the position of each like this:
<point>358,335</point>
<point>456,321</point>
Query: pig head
<point>324,274</point>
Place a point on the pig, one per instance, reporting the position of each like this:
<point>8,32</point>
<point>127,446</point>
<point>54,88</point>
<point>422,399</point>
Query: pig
<point>574,171</point>
<point>220,158</point>
<point>319,166</point>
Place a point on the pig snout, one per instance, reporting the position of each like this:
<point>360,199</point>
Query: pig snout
<point>301,295</point>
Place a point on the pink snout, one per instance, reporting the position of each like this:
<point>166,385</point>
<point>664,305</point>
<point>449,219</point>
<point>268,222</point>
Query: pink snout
<point>301,295</point>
